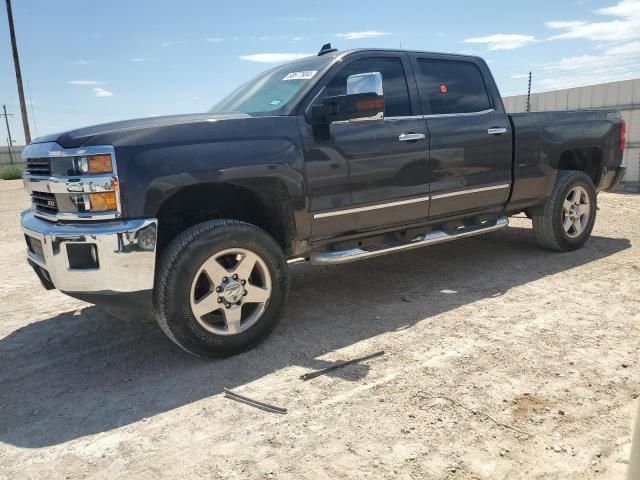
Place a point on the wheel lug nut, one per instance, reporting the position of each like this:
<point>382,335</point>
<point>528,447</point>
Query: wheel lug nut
<point>228,305</point>
<point>219,299</point>
<point>244,293</point>
<point>218,289</point>
<point>243,282</point>
<point>235,276</point>
<point>239,302</point>
<point>225,279</point>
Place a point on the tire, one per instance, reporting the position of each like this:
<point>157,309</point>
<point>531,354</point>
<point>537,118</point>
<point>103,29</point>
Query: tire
<point>196,272</point>
<point>563,227</point>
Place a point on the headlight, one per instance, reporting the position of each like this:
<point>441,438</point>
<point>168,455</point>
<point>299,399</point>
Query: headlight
<point>102,202</point>
<point>96,164</point>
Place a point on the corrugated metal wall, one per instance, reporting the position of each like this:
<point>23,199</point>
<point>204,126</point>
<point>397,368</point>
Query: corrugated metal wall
<point>624,96</point>
<point>16,155</point>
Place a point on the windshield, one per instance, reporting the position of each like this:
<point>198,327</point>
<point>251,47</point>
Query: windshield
<point>271,91</point>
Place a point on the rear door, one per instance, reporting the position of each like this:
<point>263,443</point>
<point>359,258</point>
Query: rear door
<point>470,134</point>
<point>372,173</point>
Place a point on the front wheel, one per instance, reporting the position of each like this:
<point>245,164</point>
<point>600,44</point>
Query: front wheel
<point>221,286</point>
<point>569,213</point>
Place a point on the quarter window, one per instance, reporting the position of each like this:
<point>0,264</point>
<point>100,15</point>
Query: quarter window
<point>394,83</point>
<point>448,86</point>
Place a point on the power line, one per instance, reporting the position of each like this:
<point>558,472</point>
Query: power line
<point>33,112</point>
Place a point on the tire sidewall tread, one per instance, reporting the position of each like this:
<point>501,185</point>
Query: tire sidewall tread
<point>181,260</point>
<point>548,226</point>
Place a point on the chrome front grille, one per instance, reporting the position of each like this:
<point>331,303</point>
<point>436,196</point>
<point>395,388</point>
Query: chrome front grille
<point>45,202</point>
<point>39,166</point>
<point>62,189</point>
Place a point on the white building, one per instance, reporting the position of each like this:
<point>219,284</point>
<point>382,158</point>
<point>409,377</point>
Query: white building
<point>623,96</point>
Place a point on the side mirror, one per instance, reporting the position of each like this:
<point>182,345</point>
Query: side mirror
<point>364,101</point>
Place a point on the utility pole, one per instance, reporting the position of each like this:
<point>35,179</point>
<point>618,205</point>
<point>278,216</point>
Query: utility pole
<point>6,119</point>
<point>16,62</point>
<point>529,94</point>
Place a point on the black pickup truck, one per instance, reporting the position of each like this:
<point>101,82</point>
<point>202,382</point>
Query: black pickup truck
<point>333,158</point>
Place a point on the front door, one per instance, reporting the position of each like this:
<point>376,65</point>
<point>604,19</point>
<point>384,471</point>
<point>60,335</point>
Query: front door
<point>371,173</point>
<point>470,135</point>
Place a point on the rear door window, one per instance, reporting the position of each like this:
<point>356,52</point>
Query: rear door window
<point>450,86</point>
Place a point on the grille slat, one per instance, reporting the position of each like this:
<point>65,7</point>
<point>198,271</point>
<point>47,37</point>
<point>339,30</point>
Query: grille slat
<point>39,166</point>
<point>45,202</point>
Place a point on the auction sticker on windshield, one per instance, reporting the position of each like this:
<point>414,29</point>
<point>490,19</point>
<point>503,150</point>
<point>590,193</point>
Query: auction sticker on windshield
<point>305,75</point>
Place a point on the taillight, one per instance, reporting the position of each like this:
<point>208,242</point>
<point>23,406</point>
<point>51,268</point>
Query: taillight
<point>623,135</point>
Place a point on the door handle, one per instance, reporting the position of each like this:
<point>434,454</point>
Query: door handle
<point>497,131</point>
<point>411,137</point>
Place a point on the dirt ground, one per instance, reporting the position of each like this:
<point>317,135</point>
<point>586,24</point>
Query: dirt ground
<point>502,361</point>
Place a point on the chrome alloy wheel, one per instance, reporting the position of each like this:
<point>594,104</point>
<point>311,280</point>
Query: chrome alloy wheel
<point>230,291</point>
<point>576,211</point>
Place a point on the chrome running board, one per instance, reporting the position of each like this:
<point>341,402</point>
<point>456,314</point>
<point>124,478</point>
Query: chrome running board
<point>431,238</point>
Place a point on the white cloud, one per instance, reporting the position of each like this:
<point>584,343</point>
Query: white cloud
<point>520,76</point>
<point>214,39</point>
<point>502,41</point>
<point>630,48</point>
<point>274,57</point>
<point>624,27</point>
<point>361,35</point>
<point>171,43</point>
<point>139,59</point>
<point>298,39</point>
<point>81,62</point>
<point>583,70</point>
<point>101,92</point>
<point>84,82</point>
<point>617,51</point>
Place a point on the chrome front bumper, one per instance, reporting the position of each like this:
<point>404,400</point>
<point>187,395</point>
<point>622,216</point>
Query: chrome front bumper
<point>121,260</point>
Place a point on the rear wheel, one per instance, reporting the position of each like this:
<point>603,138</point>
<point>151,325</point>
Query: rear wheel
<point>220,288</point>
<point>569,213</point>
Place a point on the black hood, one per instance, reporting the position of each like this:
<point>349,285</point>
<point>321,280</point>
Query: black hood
<point>76,138</point>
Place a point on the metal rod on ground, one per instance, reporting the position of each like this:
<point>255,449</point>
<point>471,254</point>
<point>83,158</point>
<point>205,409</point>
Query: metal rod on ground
<point>10,141</point>
<point>16,63</point>
<point>317,373</point>
<point>254,403</point>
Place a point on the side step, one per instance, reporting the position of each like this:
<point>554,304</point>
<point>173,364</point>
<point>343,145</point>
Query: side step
<point>431,238</point>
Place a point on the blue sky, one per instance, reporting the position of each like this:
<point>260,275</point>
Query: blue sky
<point>86,62</point>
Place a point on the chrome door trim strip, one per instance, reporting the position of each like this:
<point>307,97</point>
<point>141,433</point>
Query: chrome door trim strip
<point>370,207</point>
<point>470,190</point>
<point>467,114</point>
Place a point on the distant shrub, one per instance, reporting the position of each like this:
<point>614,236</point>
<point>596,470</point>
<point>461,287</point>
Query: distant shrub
<point>12,172</point>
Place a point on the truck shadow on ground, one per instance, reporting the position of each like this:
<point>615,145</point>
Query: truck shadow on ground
<point>80,373</point>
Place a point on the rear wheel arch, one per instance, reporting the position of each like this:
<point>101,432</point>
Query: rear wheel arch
<point>582,159</point>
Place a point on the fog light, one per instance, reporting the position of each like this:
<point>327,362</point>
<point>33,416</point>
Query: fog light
<point>82,256</point>
<point>102,202</point>
<point>147,238</point>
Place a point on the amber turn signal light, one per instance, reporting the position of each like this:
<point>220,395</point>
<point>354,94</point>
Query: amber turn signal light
<point>102,202</point>
<point>97,164</point>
